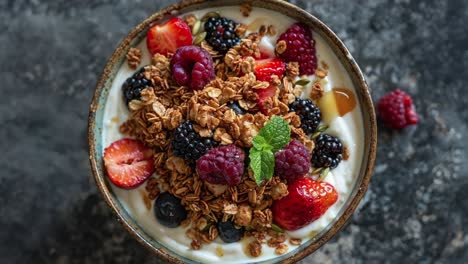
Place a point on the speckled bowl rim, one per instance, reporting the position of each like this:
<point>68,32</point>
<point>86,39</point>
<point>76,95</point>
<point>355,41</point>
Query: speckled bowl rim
<point>367,108</point>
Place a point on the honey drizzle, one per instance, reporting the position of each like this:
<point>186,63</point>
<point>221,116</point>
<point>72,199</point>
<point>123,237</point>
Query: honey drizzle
<point>345,100</point>
<point>337,102</point>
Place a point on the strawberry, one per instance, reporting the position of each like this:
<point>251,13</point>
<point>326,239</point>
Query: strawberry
<point>263,96</point>
<point>306,202</point>
<point>128,162</point>
<point>264,69</point>
<point>263,56</point>
<point>166,38</point>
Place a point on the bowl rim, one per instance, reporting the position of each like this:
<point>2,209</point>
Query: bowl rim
<point>346,59</point>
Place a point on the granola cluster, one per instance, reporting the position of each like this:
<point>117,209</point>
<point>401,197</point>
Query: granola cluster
<point>165,105</point>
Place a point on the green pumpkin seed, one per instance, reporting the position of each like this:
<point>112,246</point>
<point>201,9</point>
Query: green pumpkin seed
<point>302,82</point>
<point>277,228</point>
<point>321,128</point>
<point>199,38</point>
<point>323,174</point>
<point>317,171</point>
<point>196,27</point>
<point>210,14</point>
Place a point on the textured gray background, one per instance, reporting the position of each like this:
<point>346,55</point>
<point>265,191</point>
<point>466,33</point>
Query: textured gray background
<point>51,53</point>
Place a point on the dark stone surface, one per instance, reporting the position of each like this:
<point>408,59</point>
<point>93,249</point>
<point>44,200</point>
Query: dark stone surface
<point>52,52</point>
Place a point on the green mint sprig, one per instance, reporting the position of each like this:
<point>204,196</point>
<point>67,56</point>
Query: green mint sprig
<point>271,138</point>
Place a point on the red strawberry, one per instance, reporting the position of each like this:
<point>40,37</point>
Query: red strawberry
<point>263,56</point>
<point>306,202</point>
<point>263,96</point>
<point>128,162</point>
<point>264,69</point>
<point>166,38</point>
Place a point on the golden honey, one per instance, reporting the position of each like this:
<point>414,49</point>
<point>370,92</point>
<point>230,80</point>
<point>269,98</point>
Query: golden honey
<point>337,102</point>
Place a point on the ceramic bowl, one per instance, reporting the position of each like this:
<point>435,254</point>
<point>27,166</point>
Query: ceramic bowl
<point>95,124</point>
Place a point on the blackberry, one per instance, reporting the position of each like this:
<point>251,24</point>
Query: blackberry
<point>309,113</point>
<point>168,210</point>
<point>188,144</point>
<point>132,87</point>
<point>228,232</point>
<point>236,108</point>
<point>328,151</point>
<point>220,33</point>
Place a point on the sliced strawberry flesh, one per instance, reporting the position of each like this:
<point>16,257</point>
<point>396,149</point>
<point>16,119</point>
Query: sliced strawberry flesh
<point>128,162</point>
<point>264,69</point>
<point>263,95</point>
<point>139,171</point>
<point>166,38</point>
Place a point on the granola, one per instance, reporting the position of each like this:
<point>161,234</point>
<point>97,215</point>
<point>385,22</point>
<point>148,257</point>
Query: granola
<point>165,104</point>
<point>133,58</point>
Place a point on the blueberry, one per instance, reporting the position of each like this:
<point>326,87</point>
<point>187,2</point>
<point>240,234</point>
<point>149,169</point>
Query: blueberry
<point>235,106</point>
<point>168,210</point>
<point>228,232</point>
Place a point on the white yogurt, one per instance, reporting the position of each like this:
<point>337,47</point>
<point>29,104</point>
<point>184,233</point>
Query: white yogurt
<point>348,128</point>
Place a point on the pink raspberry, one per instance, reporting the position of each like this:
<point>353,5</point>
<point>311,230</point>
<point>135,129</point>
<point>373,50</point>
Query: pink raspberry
<point>222,165</point>
<point>293,161</point>
<point>396,109</point>
<point>300,47</point>
<point>192,66</point>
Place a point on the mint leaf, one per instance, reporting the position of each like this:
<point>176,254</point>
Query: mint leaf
<point>276,133</point>
<point>262,163</point>
<point>259,142</point>
<point>271,138</point>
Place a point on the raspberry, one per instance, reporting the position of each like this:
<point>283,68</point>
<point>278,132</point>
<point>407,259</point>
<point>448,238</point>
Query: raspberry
<point>300,47</point>
<point>220,33</point>
<point>188,144</point>
<point>293,161</point>
<point>222,165</point>
<point>397,110</point>
<point>309,113</point>
<point>328,151</point>
<point>193,67</point>
<point>133,86</point>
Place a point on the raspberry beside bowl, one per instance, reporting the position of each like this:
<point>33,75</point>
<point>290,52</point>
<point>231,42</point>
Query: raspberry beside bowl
<point>97,114</point>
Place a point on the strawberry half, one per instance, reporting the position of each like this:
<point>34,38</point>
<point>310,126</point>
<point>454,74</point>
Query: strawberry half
<point>264,69</point>
<point>167,37</point>
<point>306,202</point>
<point>263,56</point>
<point>264,95</point>
<point>128,162</point>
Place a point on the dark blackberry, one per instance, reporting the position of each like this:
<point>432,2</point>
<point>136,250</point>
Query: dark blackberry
<point>328,151</point>
<point>168,210</point>
<point>132,87</point>
<point>228,232</point>
<point>236,107</point>
<point>188,144</point>
<point>220,33</point>
<point>309,113</point>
